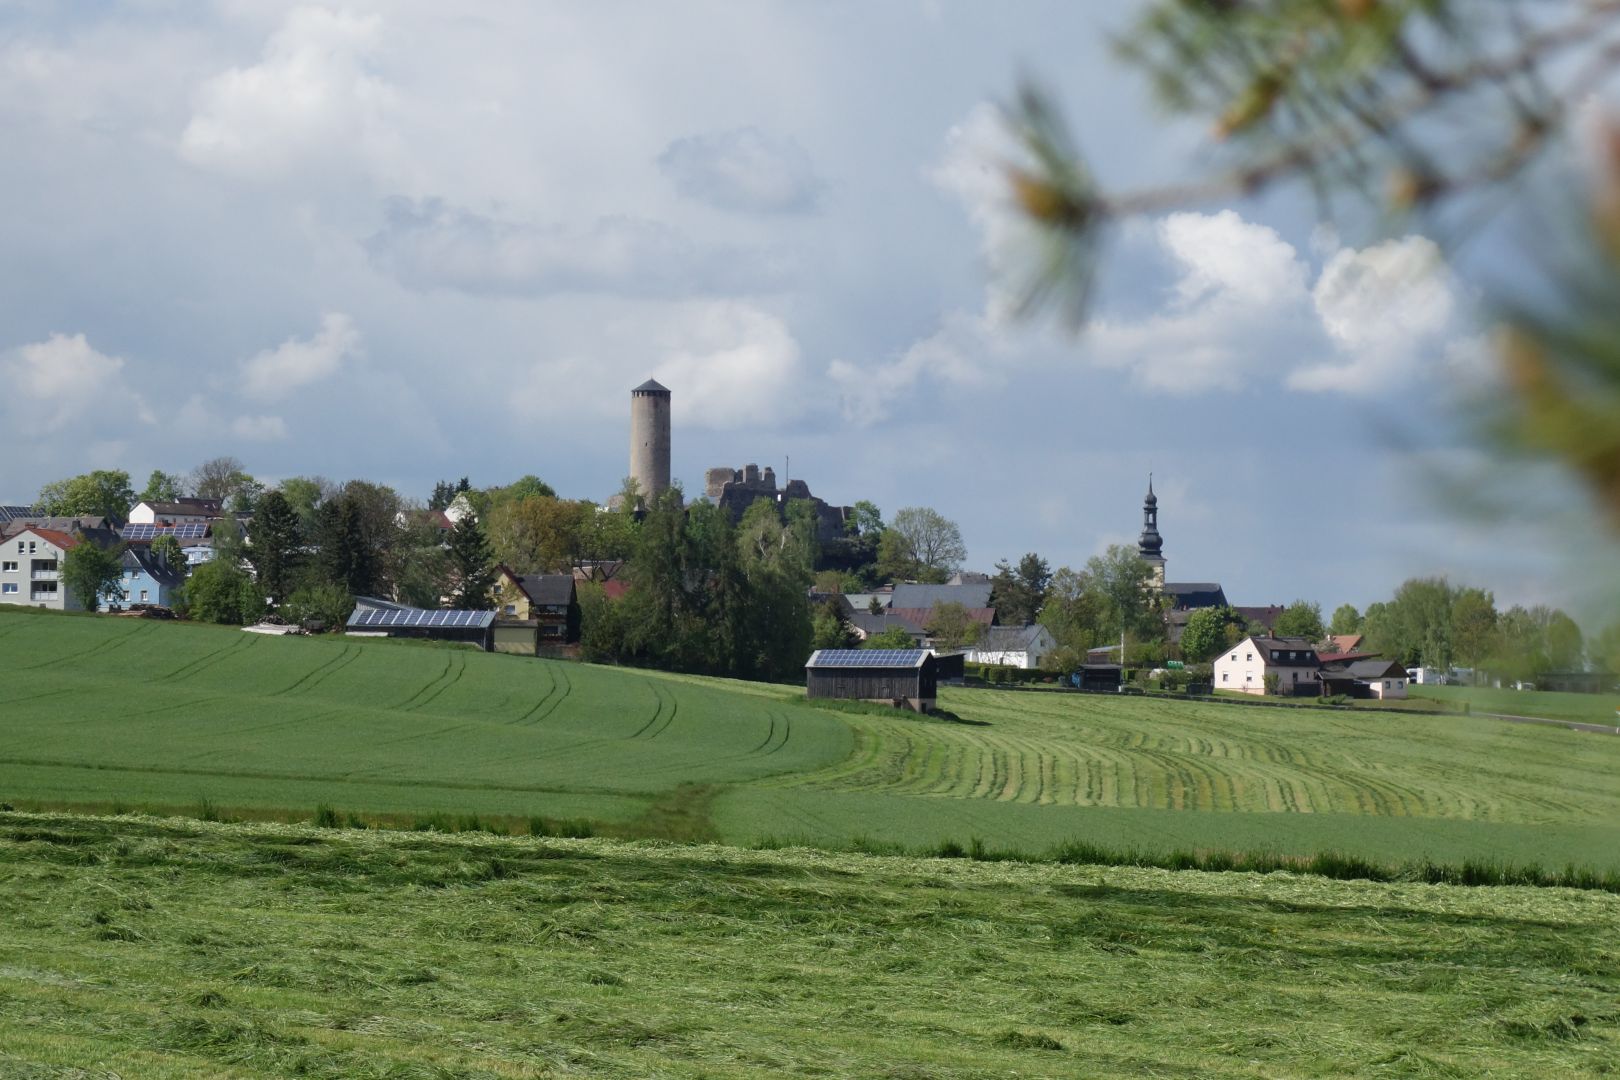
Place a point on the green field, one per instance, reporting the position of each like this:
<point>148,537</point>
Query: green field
<point>180,949</point>
<point>1553,705</point>
<point>102,713</point>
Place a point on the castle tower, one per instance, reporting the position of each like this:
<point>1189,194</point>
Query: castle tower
<point>649,439</point>
<point>1151,545</point>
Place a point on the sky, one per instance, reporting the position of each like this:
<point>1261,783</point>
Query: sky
<point>409,241</point>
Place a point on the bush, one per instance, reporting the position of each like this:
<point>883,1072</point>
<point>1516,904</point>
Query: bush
<point>328,604</point>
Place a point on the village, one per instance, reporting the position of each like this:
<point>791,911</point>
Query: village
<point>962,627</point>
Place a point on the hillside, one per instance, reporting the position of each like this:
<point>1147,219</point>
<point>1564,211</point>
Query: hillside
<point>179,949</point>
<point>100,713</point>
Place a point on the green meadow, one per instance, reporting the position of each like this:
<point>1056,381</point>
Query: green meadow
<point>178,950</point>
<point>108,715</point>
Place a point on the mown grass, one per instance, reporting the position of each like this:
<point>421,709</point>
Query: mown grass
<point>169,949</point>
<point>1548,704</point>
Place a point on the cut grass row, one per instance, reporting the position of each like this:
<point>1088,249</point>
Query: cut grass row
<point>172,950</point>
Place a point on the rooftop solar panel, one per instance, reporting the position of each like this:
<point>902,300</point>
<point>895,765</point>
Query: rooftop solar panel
<point>867,658</point>
<point>412,617</point>
<point>191,530</point>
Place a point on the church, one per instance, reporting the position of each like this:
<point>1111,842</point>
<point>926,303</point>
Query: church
<point>1185,596</point>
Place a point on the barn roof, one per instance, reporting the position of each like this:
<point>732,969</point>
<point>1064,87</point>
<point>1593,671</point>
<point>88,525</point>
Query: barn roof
<point>868,658</point>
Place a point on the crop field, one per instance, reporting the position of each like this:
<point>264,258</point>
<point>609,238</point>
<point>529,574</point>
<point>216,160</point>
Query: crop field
<point>178,950</point>
<point>107,714</point>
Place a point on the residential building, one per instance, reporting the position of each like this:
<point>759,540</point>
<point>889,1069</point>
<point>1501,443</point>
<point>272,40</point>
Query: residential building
<point>866,623</point>
<point>31,569</point>
<point>1367,677</point>
<point>178,512</point>
<point>147,580</point>
<point>1263,664</point>
<point>975,595</point>
<point>1342,644</point>
<point>549,600</point>
<point>1014,646</point>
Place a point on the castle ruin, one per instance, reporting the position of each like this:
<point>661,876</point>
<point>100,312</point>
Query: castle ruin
<point>735,490</point>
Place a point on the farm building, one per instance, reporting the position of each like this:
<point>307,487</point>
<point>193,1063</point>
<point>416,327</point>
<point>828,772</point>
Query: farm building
<point>1106,677</point>
<point>471,627</point>
<point>899,677</point>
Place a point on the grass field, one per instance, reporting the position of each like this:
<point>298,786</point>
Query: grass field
<point>99,713</point>
<point>1553,705</point>
<point>181,949</point>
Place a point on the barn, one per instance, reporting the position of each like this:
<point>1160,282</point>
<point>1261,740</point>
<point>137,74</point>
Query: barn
<point>471,627</point>
<point>906,678</point>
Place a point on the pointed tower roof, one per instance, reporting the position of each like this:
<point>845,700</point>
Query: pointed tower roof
<point>651,386</point>
<point>1151,544</point>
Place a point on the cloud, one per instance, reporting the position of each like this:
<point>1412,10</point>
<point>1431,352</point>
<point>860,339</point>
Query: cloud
<point>276,373</point>
<point>1385,308</point>
<point>972,168</point>
<point>743,170</point>
<point>955,356</point>
<point>309,96</point>
<point>259,428</point>
<point>61,381</point>
<point>429,244</point>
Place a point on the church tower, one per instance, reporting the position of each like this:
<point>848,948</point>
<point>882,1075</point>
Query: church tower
<point>1151,545</point>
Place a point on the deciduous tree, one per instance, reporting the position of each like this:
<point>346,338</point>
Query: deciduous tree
<point>92,574</point>
<point>1346,620</point>
<point>102,493</point>
<point>1018,593</point>
<point>1301,619</point>
<point>920,545</point>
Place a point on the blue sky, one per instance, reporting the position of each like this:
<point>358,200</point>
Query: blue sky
<point>408,241</point>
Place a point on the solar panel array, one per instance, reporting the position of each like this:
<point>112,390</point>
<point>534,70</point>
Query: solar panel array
<point>12,513</point>
<point>191,530</point>
<point>867,658</point>
<point>383,618</point>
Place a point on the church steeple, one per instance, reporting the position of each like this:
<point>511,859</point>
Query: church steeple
<point>1151,545</point>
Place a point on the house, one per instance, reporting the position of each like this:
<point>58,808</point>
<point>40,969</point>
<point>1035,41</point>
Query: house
<point>56,523</point>
<point>470,627</point>
<point>923,617</point>
<point>1363,677</point>
<point>436,520</point>
<point>975,595</point>
<point>904,678</point>
<point>548,600</point>
<point>147,579</point>
<point>11,512</point>
<point>1264,617</point>
<point>1015,646</point>
<point>177,512</point>
<point>31,569</point>
<point>1262,664</point>
<point>1342,644</point>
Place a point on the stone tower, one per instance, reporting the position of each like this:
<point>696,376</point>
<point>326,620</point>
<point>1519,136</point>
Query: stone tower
<point>1151,545</point>
<point>649,439</point>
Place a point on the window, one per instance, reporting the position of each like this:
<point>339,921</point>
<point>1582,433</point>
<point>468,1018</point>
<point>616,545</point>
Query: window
<point>510,609</point>
<point>1223,676</point>
<point>31,547</point>
<point>1386,684</point>
<point>1296,676</point>
<point>143,596</point>
<point>1246,656</point>
<point>9,587</point>
<point>10,567</point>
<point>1234,656</point>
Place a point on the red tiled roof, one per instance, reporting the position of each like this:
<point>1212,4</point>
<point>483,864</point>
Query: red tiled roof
<point>60,539</point>
<point>615,588</point>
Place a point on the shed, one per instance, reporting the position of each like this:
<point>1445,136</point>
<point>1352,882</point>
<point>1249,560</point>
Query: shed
<point>1099,677</point>
<point>899,677</point>
<point>471,627</point>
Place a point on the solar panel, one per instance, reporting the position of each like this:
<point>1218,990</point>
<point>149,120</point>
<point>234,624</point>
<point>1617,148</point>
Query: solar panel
<point>412,617</point>
<point>867,658</point>
<point>191,530</point>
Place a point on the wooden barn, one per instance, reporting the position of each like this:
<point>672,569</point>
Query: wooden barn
<point>904,678</point>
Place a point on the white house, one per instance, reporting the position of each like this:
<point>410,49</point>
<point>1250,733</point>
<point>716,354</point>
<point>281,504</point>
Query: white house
<point>31,569</point>
<point>178,512</point>
<point>1014,646</point>
<point>1428,676</point>
<point>1246,667</point>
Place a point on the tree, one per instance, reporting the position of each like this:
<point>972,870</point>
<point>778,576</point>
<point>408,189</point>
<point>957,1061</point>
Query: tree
<point>1019,594</point>
<point>163,487</point>
<point>326,604</point>
<point>1436,109</point>
<point>1301,619</point>
<point>1074,613</point>
<point>867,519</point>
<point>102,493</point>
<point>444,493</point>
<point>91,574</point>
<point>895,637</point>
<point>1606,650</point>
<point>472,565</point>
<point>219,591</point>
<point>1210,632</point>
<point>221,478</point>
<point>830,627</point>
<point>920,545</point>
<point>1473,627</point>
<point>346,557</point>
<point>167,550</point>
<point>951,626</point>
<point>304,494</point>
<point>539,533</point>
<point>1346,620</point>
<point>275,542</point>
<point>1127,599</point>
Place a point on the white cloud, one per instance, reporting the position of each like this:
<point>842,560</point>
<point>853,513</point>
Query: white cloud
<point>744,169</point>
<point>54,383</point>
<point>1239,295</point>
<point>310,95</point>
<point>1386,309</point>
<point>973,169</point>
<point>276,373</point>
<point>736,366</point>
<point>955,356</point>
<point>428,244</point>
